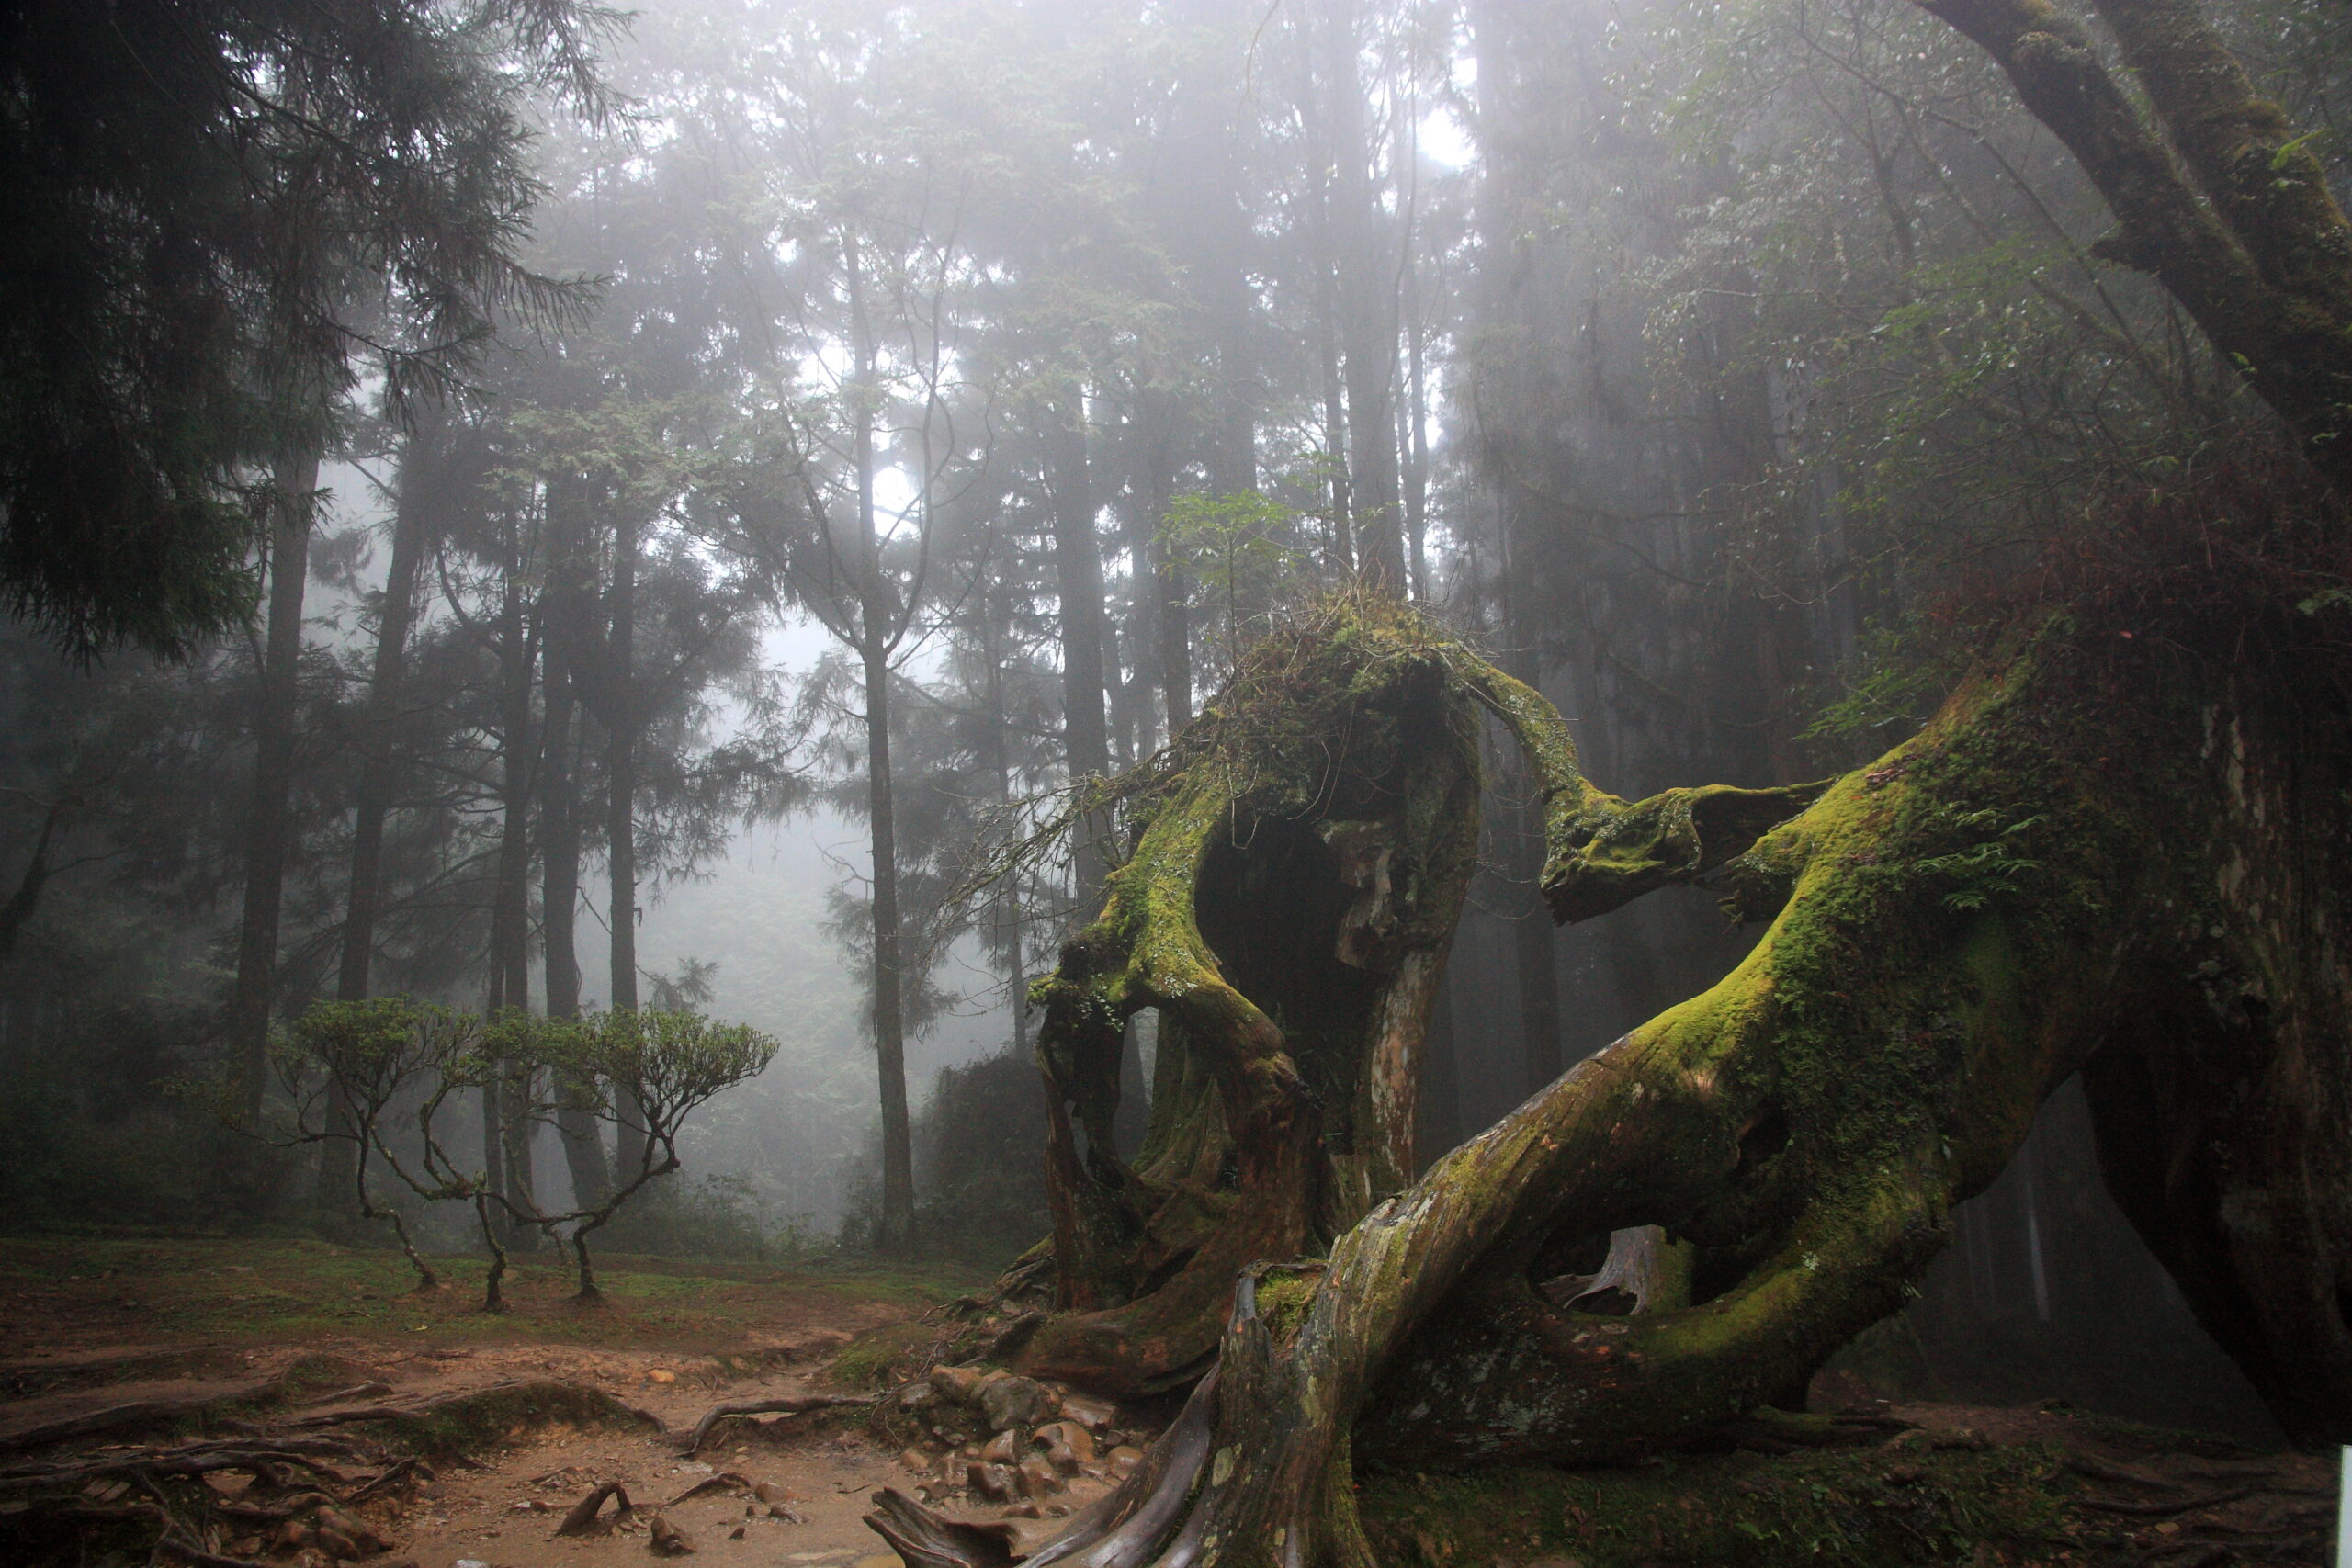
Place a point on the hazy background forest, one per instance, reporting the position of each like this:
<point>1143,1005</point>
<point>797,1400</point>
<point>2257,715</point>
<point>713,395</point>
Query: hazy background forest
<point>977,379</point>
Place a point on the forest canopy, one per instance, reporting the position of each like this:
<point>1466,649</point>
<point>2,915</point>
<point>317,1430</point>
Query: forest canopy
<point>1477,699</point>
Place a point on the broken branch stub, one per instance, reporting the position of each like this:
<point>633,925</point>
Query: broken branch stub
<point>1287,912</point>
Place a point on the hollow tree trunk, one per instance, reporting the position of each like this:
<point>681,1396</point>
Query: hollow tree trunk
<point>2118,856</point>
<point>268,824</point>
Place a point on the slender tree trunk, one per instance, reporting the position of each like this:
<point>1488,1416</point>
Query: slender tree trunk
<point>620,825</point>
<point>894,1229</point>
<point>1416,444</point>
<point>1170,595</point>
<point>1077,578</point>
<point>511,916</point>
<point>897,1231</point>
<point>584,1148</point>
<point>1366,278</point>
<point>268,826</point>
<point>410,523</point>
<point>338,1165</point>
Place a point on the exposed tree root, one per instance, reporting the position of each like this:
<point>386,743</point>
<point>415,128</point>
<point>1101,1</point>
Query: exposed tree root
<point>789,1404</point>
<point>2102,851</point>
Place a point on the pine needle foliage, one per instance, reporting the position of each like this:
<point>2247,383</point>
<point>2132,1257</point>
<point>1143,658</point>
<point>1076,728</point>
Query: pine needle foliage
<point>222,215</point>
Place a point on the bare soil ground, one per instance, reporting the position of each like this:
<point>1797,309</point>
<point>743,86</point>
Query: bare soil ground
<point>206,1393</point>
<point>170,1345</point>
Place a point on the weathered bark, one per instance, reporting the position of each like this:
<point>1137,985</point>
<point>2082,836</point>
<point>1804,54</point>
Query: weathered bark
<point>2119,856</point>
<point>2216,197</point>
<point>1287,912</point>
<point>268,826</point>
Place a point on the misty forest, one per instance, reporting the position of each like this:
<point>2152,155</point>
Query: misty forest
<point>1340,784</point>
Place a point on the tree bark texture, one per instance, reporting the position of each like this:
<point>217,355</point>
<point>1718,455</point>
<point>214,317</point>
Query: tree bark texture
<point>2118,856</point>
<point>2214,195</point>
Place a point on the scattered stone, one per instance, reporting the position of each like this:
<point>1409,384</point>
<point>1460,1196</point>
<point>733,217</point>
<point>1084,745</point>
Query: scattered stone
<point>915,1459</point>
<point>669,1539</point>
<point>1038,1478</point>
<point>735,1534</point>
<point>1001,1449</point>
<point>1067,1444</point>
<point>294,1535</point>
<point>660,1375</point>
<point>917,1395</point>
<point>769,1492</point>
<point>1012,1401</point>
<point>957,1383</point>
<point>1092,1413</point>
<point>1025,1511</point>
<point>1123,1461</point>
<point>993,1481</point>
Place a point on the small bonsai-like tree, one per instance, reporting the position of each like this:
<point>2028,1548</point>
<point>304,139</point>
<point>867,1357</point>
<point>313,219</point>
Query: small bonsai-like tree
<point>647,1071</point>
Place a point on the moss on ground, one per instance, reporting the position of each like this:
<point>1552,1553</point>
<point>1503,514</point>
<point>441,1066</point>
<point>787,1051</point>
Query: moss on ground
<point>76,1290</point>
<point>1865,1508</point>
<point>880,1357</point>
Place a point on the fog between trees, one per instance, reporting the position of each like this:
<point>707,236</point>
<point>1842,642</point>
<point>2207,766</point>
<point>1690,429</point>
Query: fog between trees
<point>896,416</point>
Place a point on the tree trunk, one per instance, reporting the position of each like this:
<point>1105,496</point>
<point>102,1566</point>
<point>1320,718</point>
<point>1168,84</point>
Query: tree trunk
<point>895,1232</point>
<point>1077,582</point>
<point>622,724</point>
<point>411,513</point>
<point>584,1148</point>
<point>2121,856</point>
<point>412,523</point>
<point>511,914</point>
<point>1366,254</point>
<point>877,633</point>
<point>1170,595</point>
<point>2216,197</point>
<point>292,500</point>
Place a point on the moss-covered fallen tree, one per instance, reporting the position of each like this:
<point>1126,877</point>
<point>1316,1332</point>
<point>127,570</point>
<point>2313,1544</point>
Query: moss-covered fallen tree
<point>2118,848</point>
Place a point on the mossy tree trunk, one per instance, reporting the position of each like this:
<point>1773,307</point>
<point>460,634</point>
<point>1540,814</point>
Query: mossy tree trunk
<point>2106,854</point>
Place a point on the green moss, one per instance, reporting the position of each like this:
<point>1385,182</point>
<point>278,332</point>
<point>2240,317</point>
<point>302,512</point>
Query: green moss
<point>1284,1298</point>
<point>483,1420</point>
<point>882,1355</point>
<point>1862,1508</point>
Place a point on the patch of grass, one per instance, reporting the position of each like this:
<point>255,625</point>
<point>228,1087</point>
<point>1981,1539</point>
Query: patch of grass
<point>80,1292</point>
<point>876,1357</point>
<point>1860,1508</point>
